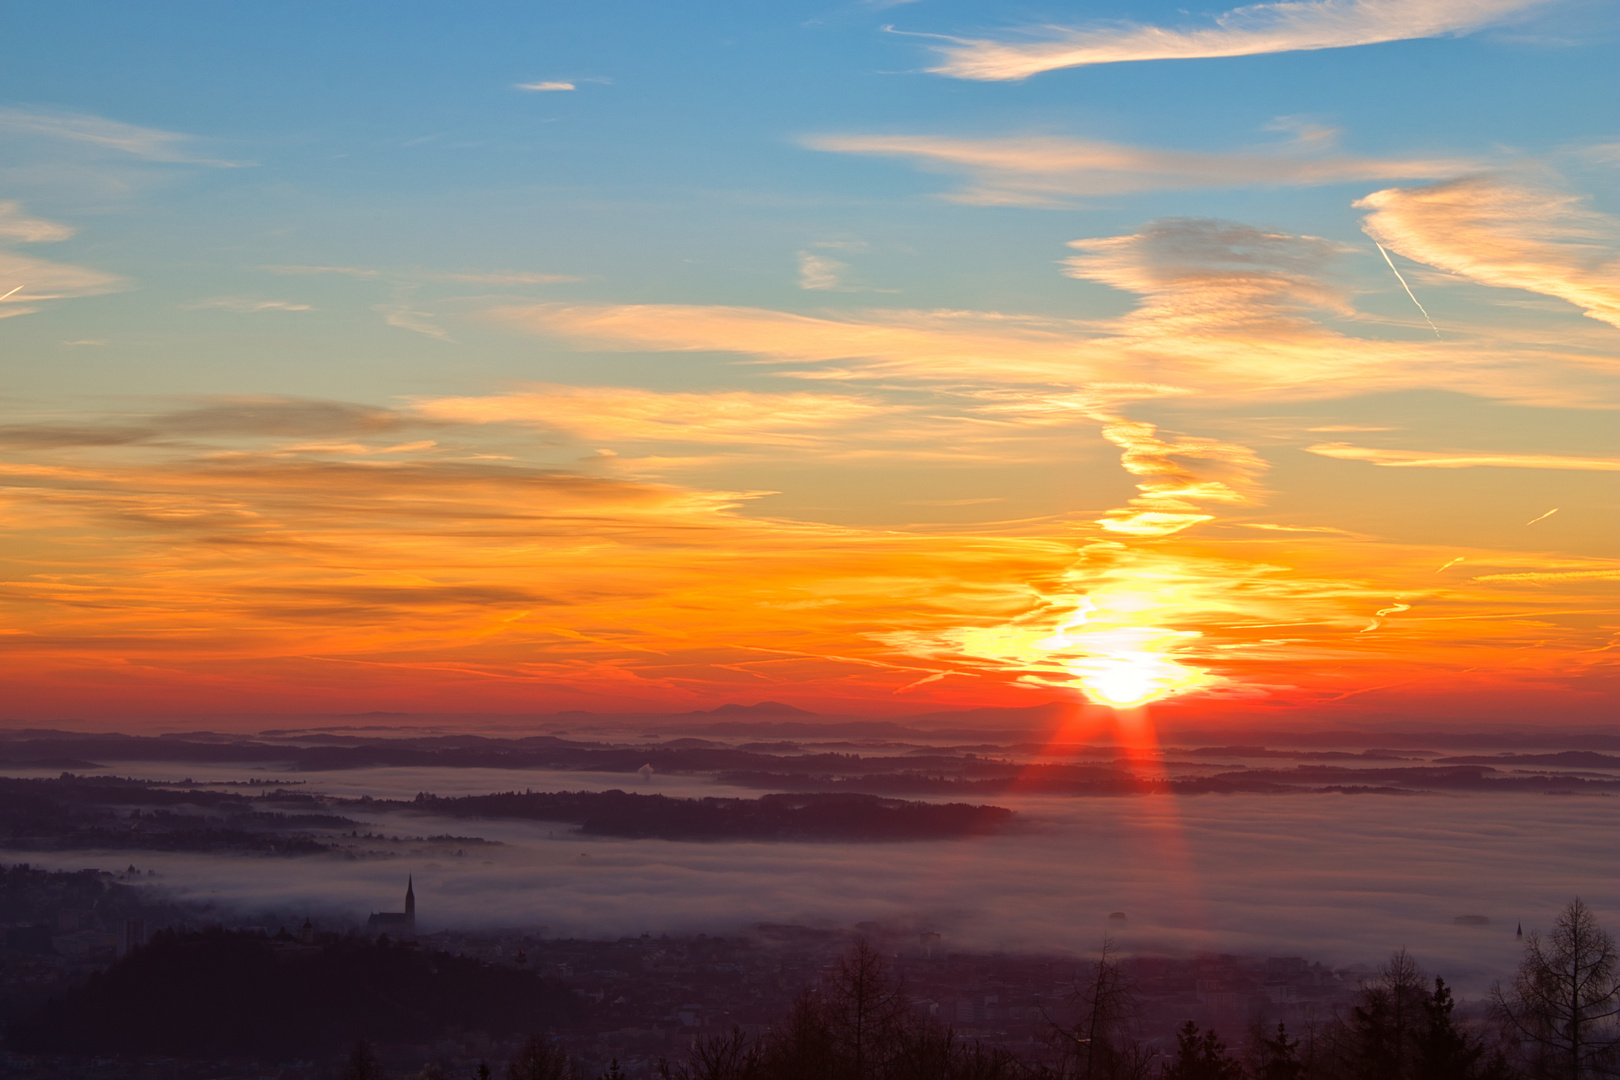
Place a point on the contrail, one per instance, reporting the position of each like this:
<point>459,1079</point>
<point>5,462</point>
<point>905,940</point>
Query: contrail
<point>1452,563</point>
<point>12,293</point>
<point>1407,287</point>
<point>1532,521</point>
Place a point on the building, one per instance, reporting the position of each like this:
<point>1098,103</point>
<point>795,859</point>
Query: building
<point>396,924</point>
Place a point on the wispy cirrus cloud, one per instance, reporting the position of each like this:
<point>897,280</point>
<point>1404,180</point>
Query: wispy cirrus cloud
<point>244,305</point>
<point>605,412</point>
<point>820,272</point>
<point>25,280</point>
<point>1552,576</point>
<point>1421,459</point>
<point>1244,31</point>
<point>1506,234</point>
<point>1225,309</point>
<point>472,277</point>
<point>100,133</point>
<point>1047,170</point>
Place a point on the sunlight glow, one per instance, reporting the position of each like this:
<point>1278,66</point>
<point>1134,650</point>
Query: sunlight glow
<point>1101,647</point>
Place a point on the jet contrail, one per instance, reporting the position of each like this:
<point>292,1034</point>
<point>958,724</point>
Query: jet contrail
<point>1452,563</point>
<point>1532,521</point>
<point>1407,287</point>
<point>12,293</point>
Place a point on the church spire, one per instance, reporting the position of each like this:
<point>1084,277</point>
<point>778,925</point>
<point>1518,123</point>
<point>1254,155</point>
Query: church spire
<point>410,903</point>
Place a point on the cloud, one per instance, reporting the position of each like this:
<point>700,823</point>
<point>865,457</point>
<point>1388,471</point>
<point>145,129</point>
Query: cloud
<point>98,132</point>
<point>346,565</point>
<point>506,277</point>
<point>1421,459</point>
<point>1213,273</point>
<point>1176,479</point>
<point>404,316</point>
<point>257,416</point>
<point>547,86</point>
<point>27,279</point>
<point>491,277</point>
<point>1506,235</point>
<point>1045,170</point>
<point>1246,31</point>
<point>17,227</point>
<point>1225,309</point>
<point>818,272</point>
<point>244,305</point>
<point>609,413</point>
<point>1556,575</point>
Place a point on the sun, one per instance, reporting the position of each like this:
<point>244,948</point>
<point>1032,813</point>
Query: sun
<point>1101,647</point>
<point>1126,680</point>
<point>1124,666</point>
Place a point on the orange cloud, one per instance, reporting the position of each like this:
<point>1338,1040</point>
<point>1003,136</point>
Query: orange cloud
<point>609,413</point>
<point>1043,170</point>
<point>1507,235</point>
<point>206,573</point>
<point>1226,310</point>
<point>1428,460</point>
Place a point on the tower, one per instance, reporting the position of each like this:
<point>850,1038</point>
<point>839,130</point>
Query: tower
<point>410,905</point>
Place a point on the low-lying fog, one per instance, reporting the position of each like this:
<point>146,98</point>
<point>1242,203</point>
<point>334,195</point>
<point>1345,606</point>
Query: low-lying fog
<point>1342,878</point>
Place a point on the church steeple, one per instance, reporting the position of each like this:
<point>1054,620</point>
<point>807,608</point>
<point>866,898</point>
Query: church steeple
<point>410,903</point>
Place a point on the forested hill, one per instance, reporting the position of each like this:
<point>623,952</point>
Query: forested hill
<point>840,816</point>
<point>233,994</point>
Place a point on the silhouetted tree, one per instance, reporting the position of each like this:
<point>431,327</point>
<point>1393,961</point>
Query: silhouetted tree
<point>1201,1057</point>
<point>540,1059</point>
<point>1378,1040</point>
<point>866,1008</point>
<point>1097,1044</point>
<point>363,1064</point>
<point>1446,1051</point>
<point>801,1046</point>
<point>1277,1058</point>
<point>717,1057</point>
<point>1563,1005</point>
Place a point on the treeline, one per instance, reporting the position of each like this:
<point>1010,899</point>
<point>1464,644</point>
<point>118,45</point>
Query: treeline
<point>1557,1019</point>
<point>839,816</point>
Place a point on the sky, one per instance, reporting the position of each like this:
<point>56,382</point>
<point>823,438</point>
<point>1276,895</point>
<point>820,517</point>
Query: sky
<point>1210,365</point>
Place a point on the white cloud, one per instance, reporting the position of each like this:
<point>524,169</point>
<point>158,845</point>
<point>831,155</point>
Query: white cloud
<point>26,279</point>
<point>19,228</point>
<point>408,318</point>
<point>491,277</point>
<point>151,144</point>
<point>548,85</point>
<point>818,272</point>
<point>245,305</point>
<point>1293,26</point>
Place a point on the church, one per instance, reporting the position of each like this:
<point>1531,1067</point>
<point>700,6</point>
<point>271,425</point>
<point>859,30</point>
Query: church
<point>399,925</point>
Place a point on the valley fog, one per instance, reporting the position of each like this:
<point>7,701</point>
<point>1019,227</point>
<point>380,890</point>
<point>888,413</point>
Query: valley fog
<point>1339,878</point>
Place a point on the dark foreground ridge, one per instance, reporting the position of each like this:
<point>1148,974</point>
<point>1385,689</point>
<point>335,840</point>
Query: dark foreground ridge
<point>234,993</point>
<point>808,817</point>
